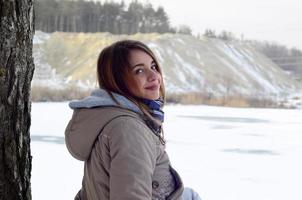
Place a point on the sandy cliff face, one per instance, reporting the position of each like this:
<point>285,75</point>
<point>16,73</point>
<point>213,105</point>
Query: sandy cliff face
<point>189,64</point>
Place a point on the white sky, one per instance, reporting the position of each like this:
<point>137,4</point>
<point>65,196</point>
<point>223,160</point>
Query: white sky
<point>272,20</point>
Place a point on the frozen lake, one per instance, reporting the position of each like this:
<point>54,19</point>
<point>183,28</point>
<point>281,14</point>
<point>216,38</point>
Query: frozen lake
<point>223,153</point>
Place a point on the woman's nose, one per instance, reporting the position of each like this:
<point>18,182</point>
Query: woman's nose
<point>152,75</point>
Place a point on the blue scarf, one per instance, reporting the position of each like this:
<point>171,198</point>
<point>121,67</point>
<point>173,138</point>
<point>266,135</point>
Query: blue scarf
<point>155,108</point>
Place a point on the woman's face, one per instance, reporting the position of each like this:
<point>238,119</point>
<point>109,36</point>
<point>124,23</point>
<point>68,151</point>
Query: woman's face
<point>144,80</point>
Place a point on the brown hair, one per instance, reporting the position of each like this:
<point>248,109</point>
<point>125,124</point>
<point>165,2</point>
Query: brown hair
<point>113,66</point>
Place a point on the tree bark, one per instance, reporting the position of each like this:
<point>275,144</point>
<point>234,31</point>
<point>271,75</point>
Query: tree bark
<point>16,71</point>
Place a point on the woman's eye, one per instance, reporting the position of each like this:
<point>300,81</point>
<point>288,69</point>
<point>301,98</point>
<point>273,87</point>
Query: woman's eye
<point>154,67</point>
<point>138,71</point>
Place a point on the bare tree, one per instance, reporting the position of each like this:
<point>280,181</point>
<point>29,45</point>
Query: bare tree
<point>210,33</point>
<point>16,71</point>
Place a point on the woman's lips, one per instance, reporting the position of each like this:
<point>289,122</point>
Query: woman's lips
<point>152,87</point>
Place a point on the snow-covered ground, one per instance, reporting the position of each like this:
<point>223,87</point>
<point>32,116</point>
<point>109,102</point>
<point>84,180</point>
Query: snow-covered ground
<point>223,153</point>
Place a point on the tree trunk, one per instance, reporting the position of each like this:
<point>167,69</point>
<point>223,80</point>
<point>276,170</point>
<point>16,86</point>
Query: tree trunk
<point>16,71</point>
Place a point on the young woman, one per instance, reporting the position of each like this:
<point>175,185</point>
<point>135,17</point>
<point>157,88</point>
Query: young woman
<point>117,130</point>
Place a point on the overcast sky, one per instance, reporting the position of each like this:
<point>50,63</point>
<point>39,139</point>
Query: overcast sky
<point>273,20</point>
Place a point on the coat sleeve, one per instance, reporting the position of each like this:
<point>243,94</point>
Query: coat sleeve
<point>133,158</point>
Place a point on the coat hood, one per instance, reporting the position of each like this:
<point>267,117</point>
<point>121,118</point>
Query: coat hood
<point>101,98</point>
<point>90,116</point>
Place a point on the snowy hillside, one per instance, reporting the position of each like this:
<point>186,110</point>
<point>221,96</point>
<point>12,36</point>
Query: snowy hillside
<point>209,66</point>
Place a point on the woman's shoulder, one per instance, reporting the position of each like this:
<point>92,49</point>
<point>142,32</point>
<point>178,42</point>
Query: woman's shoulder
<point>127,123</point>
<point>116,123</point>
<point>117,115</point>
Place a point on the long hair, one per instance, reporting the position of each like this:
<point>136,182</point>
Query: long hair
<point>113,66</point>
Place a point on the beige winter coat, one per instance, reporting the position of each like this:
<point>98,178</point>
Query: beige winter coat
<point>123,158</point>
